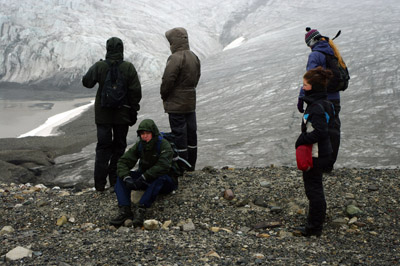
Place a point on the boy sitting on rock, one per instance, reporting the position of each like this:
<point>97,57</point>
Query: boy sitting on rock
<point>154,174</point>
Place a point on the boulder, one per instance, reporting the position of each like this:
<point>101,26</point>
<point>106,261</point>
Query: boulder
<point>30,158</point>
<point>14,173</point>
<point>18,253</point>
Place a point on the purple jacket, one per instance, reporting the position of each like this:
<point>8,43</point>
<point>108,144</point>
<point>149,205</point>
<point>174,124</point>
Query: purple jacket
<point>315,59</point>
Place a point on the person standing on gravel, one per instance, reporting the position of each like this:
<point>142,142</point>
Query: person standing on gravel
<point>320,47</point>
<point>317,119</point>
<point>112,118</point>
<point>178,92</point>
<point>155,174</point>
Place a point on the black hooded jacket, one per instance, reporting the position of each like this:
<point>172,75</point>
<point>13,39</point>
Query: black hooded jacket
<point>97,74</point>
<point>317,118</point>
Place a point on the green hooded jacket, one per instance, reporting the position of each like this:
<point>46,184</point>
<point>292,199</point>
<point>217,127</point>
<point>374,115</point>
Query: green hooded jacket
<point>151,163</point>
<point>127,114</point>
<point>181,74</point>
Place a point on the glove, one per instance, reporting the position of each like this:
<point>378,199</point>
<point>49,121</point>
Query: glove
<point>133,118</point>
<point>299,141</point>
<point>300,105</point>
<point>137,184</point>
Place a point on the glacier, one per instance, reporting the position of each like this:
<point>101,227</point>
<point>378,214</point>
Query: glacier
<point>253,57</point>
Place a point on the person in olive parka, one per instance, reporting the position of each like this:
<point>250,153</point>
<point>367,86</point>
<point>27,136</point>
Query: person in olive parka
<point>178,92</point>
<point>155,173</point>
<point>112,123</point>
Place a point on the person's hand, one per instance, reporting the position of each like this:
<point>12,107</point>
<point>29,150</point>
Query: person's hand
<point>300,105</point>
<point>300,140</point>
<point>297,144</point>
<point>129,183</point>
<point>133,118</point>
<point>136,184</point>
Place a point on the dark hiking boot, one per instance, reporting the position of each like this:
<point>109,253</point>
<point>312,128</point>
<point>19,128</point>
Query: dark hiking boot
<point>307,232</point>
<point>100,189</point>
<point>124,214</point>
<point>139,216</point>
<point>111,190</point>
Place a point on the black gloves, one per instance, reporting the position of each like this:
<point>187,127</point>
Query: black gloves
<point>133,118</point>
<point>136,184</point>
<point>300,105</point>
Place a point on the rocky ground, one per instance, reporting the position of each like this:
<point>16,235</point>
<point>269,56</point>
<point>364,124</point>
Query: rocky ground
<point>32,159</point>
<point>200,223</point>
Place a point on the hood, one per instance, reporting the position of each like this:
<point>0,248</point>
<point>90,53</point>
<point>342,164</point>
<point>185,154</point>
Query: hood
<point>115,49</point>
<point>148,125</point>
<point>178,39</point>
<point>323,47</point>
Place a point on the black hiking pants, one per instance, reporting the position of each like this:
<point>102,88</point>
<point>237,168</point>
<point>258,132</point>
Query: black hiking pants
<point>315,194</point>
<point>111,144</point>
<point>334,134</point>
<point>184,127</point>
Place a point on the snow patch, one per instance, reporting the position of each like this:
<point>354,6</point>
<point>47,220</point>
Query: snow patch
<point>48,128</point>
<point>236,43</point>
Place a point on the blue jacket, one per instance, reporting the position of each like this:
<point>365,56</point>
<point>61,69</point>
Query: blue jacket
<point>315,59</point>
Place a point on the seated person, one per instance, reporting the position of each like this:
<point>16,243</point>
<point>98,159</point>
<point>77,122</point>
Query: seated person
<point>155,174</point>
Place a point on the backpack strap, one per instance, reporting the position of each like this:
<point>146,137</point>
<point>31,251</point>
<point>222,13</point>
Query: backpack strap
<point>115,69</point>
<point>158,145</point>
<point>159,140</point>
<point>140,147</point>
<point>328,118</point>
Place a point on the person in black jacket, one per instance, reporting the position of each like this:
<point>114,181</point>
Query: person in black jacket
<point>112,123</point>
<point>318,118</point>
<point>321,47</point>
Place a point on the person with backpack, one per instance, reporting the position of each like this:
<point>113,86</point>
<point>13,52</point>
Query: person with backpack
<point>155,173</point>
<point>324,53</point>
<point>178,92</point>
<point>317,119</point>
<point>116,106</point>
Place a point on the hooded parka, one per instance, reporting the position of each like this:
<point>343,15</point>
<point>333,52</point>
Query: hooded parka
<point>152,163</point>
<point>181,74</point>
<point>97,74</point>
<point>315,125</point>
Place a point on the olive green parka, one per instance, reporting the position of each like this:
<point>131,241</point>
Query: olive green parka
<point>127,114</point>
<point>181,74</point>
<point>151,163</point>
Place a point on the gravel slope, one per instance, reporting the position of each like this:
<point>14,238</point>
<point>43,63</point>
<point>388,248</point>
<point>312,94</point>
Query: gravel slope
<point>253,228</point>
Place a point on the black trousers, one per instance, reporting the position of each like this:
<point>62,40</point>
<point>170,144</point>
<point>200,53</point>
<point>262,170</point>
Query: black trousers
<point>315,194</point>
<point>184,127</point>
<point>111,144</point>
<point>334,133</point>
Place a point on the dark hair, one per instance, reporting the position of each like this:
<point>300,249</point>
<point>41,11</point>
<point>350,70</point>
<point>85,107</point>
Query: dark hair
<point>318,76</point>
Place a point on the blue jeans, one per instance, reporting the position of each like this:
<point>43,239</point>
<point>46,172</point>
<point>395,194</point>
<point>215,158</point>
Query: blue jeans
<point>162,185</point>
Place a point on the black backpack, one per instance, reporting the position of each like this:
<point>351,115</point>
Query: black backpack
<point>115,88</point>
<point>341,77</point>
<point>179,164</point>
